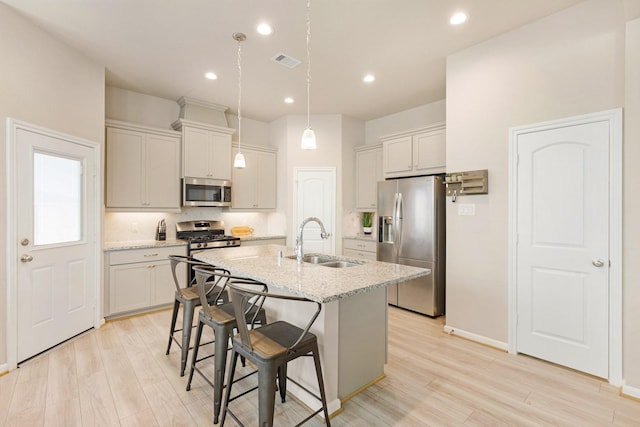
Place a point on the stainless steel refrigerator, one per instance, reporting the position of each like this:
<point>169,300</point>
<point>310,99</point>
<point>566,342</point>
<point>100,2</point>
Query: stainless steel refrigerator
<point>411,231</point>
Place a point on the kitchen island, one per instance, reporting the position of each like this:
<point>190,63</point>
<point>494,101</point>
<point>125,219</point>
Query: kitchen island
<point>352,327</point>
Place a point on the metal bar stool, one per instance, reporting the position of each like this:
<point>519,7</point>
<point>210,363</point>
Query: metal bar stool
<point>270,348</point>
<point>187,295</point>
<point>222,320</point>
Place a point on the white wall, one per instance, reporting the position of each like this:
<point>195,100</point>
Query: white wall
<point>566,64</point>
<point>43,82</point>
<point>413,118</point>
<point>631,210</point>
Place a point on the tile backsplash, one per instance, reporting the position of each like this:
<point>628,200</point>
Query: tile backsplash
<point>128,226</point>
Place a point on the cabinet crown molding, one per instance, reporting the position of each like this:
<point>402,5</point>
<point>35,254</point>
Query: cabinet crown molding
<point>141,128</point>
<point>265,148</point>
<point>178,124</point>
<point>185,100</point>
<point>432,127</point>
<point>376,146</point>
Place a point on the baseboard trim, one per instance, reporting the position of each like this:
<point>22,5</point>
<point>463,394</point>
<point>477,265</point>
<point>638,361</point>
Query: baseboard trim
<point>4,369</point>
<point>476,338</point>
<point>632,392</point>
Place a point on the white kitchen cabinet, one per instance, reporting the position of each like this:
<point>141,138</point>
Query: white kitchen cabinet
<point>142,167</point>
<point>206,150</point>
<point>419,152</point>
<point>254,187</point>
<point>140,279</point>
<point>368,173</point>
<point>358,248</point>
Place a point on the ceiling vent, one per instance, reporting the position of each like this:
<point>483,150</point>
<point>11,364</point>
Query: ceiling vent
<point>286,60</point>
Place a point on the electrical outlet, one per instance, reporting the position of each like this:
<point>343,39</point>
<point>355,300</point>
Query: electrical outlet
<point>467,209</point>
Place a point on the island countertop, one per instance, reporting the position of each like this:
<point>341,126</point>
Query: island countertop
<point>316,282</point>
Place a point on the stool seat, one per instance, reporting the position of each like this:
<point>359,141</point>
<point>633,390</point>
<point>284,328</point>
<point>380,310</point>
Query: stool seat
<point>274,340</point>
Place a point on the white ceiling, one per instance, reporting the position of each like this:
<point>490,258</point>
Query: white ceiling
<point>164,47</point>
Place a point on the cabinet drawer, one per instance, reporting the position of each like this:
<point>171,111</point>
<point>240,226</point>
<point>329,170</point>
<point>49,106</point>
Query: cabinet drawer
<point>359,254</point>
<point>144,255</point>
<point>360,245</point>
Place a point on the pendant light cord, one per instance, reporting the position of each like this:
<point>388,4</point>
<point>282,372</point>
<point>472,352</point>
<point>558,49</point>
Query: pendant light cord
<point>308,61</point>
<point>239,94</point>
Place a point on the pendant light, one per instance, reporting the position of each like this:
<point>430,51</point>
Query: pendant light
<point>239,161</point>
<point>308,136</point>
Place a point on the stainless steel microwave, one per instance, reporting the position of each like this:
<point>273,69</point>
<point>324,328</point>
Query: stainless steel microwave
<point>206,192</point>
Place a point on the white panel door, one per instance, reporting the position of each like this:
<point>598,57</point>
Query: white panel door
<point>563,246</point>
<point>56,226</point>
<point>316,196</point>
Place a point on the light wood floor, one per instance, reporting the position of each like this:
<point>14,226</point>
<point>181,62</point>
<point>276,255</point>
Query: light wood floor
<point>120,375</point>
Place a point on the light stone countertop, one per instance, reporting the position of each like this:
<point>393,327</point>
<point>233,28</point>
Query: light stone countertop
<point>141,244</point>
<point>316,282</point>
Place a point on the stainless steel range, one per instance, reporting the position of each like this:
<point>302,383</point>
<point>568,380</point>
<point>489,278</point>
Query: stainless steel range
<point>204,235</point>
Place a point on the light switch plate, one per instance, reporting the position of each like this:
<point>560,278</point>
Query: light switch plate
<point>466,209</point>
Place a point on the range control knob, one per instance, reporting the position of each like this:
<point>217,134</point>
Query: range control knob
<point>204,245</point>
<point>199,245</point>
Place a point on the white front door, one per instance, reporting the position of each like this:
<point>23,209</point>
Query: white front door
<point>562,249</point>
<point>315,196</point>
<point>56,236</point>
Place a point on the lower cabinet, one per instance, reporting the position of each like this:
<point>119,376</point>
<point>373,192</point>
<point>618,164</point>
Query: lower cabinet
<point>358,248</point>
<point>140,279</point>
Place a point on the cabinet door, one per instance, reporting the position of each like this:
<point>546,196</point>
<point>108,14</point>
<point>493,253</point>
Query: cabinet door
<point>163,289</point>
<point>220,156</point>
<point>243,188</point>
<point>162,172</point>
<point>254,187</point>
<point>368,173</point>
<point>128,287</point>
<point>429,152</point>
<point>125,168</point>
<point>397,156</point>
<point>266,180</point>
<point>196,153</point>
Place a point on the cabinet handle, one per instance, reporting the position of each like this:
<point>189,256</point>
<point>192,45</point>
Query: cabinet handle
<point>150,255</point>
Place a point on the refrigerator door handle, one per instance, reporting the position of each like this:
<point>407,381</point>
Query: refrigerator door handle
<point>399,216</point>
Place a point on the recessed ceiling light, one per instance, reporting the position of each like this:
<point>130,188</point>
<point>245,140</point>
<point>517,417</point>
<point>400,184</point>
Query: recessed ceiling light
<point>458,18</point>
<point>369,78</point>
<point>288,100</point>
<point>264,29</point>
<point>211,76</point>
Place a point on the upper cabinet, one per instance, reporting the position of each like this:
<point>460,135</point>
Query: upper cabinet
<point>368,173</point>
<point>142,167</point>
<point>206,150</point>
<point>419,152</point>
<point>254,187</point>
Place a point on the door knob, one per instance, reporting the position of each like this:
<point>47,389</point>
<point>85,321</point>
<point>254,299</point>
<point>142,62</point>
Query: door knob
<point>26,258</point>
<point>24,242</point>
<point>597,262</point>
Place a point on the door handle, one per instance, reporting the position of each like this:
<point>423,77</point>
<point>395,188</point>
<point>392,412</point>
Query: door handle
<point>597,262</point>
<point>26,258</point>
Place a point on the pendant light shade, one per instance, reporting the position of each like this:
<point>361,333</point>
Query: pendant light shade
<point>308,141</point>
<point>239,161</point>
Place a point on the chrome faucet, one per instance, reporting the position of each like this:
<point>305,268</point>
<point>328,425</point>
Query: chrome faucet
<point>323,234</point>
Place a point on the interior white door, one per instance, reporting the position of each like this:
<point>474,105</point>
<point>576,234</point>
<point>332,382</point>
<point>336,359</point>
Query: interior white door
<point>56,225</point>
<point>316,196</point>
<point>562,262</point>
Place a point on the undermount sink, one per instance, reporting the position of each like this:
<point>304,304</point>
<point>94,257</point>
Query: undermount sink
<point>327,261</point>
<point>339,264</point>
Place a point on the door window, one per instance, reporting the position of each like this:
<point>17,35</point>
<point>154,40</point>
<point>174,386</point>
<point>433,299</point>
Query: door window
<point>57,199</point>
